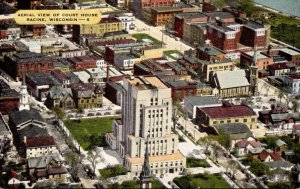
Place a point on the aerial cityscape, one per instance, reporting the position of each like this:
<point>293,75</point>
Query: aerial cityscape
<point>181,94</point>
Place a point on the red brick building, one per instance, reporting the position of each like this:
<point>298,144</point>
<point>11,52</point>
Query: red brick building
<point>181,88</point>
<point>82,62</point>
<point>222,37</point>
<point>3,32</point>
<point>9,98</point>
<point>27,62</point>
<point>187,17</point>
<point>139,5</point>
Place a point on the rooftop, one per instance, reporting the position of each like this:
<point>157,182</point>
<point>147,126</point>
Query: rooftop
<point>7,92</point>
<point>180,83</point>
<point>222,15</point>
<point>279,66</point>
<point>290,51</point>
<point>187,15</point>
<point>231,79</point>
<point>228,111</point>
<point>39,141</point>
<point>146,82</point>
<point>211,51</point>
<point>202,100</point>
<point>221,28</point>
<point>41,78</point>
<point>19,117</point>
<point>109,20</point>
<point>259,55</point>
<point>234,128</point>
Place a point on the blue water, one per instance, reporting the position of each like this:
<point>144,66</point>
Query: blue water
<point>291,7</point>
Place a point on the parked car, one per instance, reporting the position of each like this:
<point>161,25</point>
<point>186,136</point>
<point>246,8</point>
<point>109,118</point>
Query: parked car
<point>98,114</point>
<point>90,114</point>
<point>107,113</point>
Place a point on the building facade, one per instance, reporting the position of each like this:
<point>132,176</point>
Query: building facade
<point>146,119</point>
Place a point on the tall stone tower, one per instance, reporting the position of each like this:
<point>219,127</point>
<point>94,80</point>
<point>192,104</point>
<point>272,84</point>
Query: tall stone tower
<point>147,121</point>
<point>253,74</point>
<point>24,102</point>
<point>145,176</point>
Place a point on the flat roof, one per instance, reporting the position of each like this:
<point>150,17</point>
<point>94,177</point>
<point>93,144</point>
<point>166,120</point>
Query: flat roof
<point>202,100</point>
<point>290,51</point>
<point>146,82</point>
<point>259,55</point>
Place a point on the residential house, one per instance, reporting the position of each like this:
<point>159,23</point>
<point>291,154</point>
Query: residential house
<point>191,103</point>
<point>269,155</point>
<point>280,146</point>
<point>40,146</point>
<point>231,83</point>
<point>227,113</point>
<point>245,145</point>
<point>87,95</point>
<point>60,97</point>
<point>236,131</point>
<point>48,167</point>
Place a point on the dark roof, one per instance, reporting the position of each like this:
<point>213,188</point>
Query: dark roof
<point>294,76</point>
<point>109,20</point>
<point>41,78</point>
<point>228,111</point>
<point>6,91</point>
<point>39,141</point>
<point>19,117</point>
<point>222,15</point>
<point>24,57</point>
<point>6,9</point>
<point>233,128</point>
<point>279,164</point>
<point>279,66</point>
<point>186,15</point>
<point>32,130</point>
<point>179,83</point>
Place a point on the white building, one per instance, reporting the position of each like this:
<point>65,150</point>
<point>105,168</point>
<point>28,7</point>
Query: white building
<point>292,83</point>
<point>126,18</point>
<point>30,45</point>
<point>24,102</point>
<point>191,103</point>
<point>147,112</point>
<point>40,146</point>
<point>126,61</point>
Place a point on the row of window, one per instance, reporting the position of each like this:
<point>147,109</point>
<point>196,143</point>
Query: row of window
<point>236,121</point>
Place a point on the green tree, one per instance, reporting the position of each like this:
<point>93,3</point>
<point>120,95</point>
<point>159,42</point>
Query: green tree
<point>258,168</point>
<point>219,4</point>
<point>92,158</point>
<point>59,112</point>
<point>224,139</point>
<point>247,6</point>
<point>74,161</point>
<point>271,141</point>
<point>215,151</point>
<point>206,141</point>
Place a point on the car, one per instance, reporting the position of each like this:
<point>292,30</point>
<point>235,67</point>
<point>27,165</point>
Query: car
<point>98,114</point>
<point>70,116</point>
<point>272,99</point>
<point>90,114</point>
<point>107,113</point>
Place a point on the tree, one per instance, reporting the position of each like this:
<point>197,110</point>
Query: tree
<point>280,94</point>
<point>59,112</point>
<point>215,151</point>
<point>219,4</point>
<point>295,105</point>
<point>258,168</point>
<point>206,141</point>
<point>74,161</point>
<point>224,139</point>
<point>247,6</point>
<point>80,109</point>
<point>92,157</point>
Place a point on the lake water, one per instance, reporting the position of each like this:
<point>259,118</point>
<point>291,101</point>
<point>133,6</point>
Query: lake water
<point>291,7</point>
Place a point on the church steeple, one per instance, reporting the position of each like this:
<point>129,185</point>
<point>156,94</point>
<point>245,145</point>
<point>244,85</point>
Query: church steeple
<point>253,73</point>
<point>145,176</point>
<point>24,102</point>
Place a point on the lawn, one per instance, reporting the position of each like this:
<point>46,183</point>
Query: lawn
<point>202,181</point>
<point>112,171</point>
<point>132,184</point>
<point>140,36</point>
<point>171,52</point>
<point>193,162</point>
<point>90,132</point>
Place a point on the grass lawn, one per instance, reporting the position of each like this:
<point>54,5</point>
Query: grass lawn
<point>132,184</point>
<point>202,181</point>
<point>193,162</point>
<point>170,52</point>
<point>141,36</point>
<point>90,132</point>
<point>112,171</point>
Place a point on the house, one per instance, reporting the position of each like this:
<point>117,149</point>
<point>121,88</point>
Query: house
<point>60,97</point>
<point>40,146</point>
<point>87,95</point>
<point>227,113</point>
<point>236,131</point>
<point>231,83</point>
<point>269,155</point>
<point>253,153</point>
<point>191,103</point>
<point>280,146</point>
<point>245,145</point>
<point>48,167</point>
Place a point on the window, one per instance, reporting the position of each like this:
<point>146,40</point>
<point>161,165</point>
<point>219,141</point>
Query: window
<point>215,122</point>
<point>245,120</point>
<point>236,120</point>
